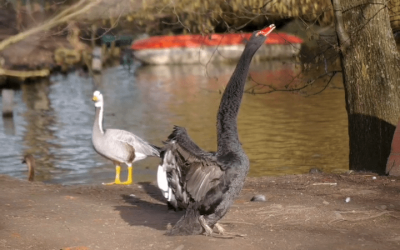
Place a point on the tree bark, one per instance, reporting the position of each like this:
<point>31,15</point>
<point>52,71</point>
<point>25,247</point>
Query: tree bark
<point>371,79</point>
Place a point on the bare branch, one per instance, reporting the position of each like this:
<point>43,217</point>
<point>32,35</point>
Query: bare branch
<point>51,23</point>
<point>106,30</point>
<point>25,74</point>
<point>363,25</point>
<point>344,39</point>
<point>179,20</point>
<point>272,89</point>
<point>326,85</point>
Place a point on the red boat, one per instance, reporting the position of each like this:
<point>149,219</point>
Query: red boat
<point>194,49</point>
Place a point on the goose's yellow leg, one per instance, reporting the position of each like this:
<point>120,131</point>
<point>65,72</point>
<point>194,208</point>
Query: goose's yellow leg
<point>130,174</point>
<point>117,176</point>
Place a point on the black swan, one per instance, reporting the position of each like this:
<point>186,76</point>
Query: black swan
<point>206,183</point>
<point>119,146</point>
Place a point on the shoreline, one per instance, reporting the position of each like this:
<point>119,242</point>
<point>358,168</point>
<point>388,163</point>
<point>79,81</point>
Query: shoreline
<point>301,212</point>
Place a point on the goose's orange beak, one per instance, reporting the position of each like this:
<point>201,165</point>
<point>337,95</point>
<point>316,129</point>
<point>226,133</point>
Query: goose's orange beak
<point>94,98</point>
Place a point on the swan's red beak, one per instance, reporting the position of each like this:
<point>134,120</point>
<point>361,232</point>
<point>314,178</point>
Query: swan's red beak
<point>266,31</point>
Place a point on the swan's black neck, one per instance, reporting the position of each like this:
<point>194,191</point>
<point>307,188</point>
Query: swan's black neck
<point>228,139</point>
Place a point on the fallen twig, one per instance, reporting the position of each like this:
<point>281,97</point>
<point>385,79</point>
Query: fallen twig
<point>356,219</point>
<point>236,222</point>
<point>394,216</point>
<point>325,183</point>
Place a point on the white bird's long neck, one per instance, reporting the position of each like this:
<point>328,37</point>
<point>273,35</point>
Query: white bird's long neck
<point>98,123</point>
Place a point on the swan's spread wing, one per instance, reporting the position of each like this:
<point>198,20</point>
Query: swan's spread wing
<point>181,137</point>
<point>202,178</point>
<point>191,171</point>
<point>139,145</point>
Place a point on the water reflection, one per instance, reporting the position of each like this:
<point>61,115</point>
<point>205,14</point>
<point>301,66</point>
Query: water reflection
<point>283,133</point>
<point>7,96</point>
<point>40,126</point>
<point>8,125</point>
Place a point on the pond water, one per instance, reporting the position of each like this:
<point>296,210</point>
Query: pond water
<point>281,132</point>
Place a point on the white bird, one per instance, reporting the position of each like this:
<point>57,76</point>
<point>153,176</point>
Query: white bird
<point>119,146</point>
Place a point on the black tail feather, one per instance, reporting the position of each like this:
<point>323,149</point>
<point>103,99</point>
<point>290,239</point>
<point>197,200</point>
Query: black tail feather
<point>187,225</point>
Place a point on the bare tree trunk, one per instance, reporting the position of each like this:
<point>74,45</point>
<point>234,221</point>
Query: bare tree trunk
<point>371,79</point>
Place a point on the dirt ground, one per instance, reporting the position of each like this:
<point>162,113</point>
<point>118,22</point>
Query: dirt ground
<point>301,212</point>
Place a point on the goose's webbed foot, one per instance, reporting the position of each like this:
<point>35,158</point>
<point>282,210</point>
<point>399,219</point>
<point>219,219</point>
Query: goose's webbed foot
<point>117,180</point>
<point>129,180</point>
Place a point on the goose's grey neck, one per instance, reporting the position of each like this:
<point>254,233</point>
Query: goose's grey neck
<point>98,122</point>
<point>227,132</point>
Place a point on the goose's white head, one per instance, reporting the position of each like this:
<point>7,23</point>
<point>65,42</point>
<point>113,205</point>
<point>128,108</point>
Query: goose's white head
<point>98,99</point>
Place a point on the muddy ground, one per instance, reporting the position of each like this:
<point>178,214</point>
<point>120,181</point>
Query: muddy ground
<point>301,212</point>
